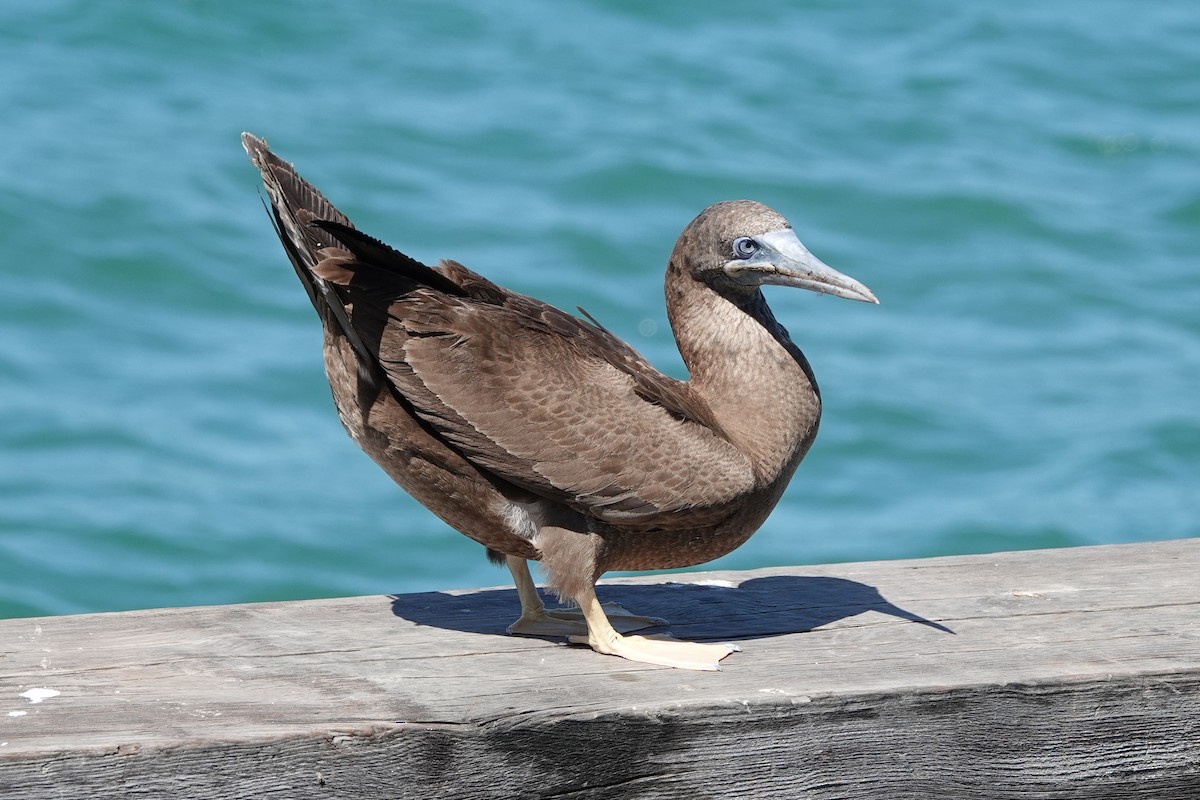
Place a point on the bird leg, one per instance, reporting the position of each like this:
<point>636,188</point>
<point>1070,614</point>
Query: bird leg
<point>537,621</point>
<point>662,650</point>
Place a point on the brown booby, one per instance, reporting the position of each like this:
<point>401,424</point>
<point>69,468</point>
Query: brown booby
<point>543,436</point>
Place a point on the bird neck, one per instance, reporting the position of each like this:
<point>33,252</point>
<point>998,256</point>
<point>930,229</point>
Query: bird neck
<point>742,363</point>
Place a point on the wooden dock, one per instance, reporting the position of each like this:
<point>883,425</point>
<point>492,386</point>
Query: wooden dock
<point>1047,674</point>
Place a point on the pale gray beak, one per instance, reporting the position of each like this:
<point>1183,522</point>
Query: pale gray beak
<point>781,260</point>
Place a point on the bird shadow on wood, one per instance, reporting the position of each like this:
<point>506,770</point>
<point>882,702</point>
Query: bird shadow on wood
<point>758,607</point>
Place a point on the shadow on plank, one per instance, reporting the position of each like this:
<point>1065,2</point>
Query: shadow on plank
<point>756,608</point>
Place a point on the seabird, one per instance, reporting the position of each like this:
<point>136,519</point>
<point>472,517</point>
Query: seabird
<point>543,436</point>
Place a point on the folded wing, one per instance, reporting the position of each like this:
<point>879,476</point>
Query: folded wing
<point>531,394</point>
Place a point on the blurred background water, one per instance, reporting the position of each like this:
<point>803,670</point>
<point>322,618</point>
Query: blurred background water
<point>1019,183</point>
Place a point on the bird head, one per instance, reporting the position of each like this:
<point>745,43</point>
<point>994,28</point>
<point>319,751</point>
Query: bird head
<point>739,245</point>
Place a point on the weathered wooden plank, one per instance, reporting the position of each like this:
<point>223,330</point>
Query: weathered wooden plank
<point>1050,674</point>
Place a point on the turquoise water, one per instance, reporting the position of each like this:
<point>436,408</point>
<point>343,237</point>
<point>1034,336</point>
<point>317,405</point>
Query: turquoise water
<point>1019,184</point>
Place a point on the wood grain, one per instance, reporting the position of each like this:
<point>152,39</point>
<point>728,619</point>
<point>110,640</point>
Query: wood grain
<point>1043,674</point>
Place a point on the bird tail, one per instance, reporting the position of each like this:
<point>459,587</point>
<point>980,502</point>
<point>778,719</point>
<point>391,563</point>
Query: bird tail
<point>297,209</point>
<point>295,206</point>
<point>337,263</point>
<point>308,224</point>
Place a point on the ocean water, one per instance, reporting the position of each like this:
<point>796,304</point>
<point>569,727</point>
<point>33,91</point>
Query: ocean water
<point>1019,184</point>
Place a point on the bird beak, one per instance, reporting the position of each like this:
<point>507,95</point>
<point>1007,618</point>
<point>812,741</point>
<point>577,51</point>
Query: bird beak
<point>782,260</point>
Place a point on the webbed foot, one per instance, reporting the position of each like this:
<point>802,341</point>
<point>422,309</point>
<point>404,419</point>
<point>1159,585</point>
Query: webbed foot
<point>571,622</point>
<point>662,650</point>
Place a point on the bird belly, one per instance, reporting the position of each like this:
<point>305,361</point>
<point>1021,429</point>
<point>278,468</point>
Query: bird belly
<point>692,538</point>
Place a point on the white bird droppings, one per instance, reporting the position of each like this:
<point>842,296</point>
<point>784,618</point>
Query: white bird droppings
<point>38,695</point>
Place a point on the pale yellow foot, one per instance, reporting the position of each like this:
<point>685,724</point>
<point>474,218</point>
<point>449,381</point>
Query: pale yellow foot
<point>537,621</point>
<point>571,622</point>
<point>546,623</point>
<point>664,651</point>
<point>596,625</point>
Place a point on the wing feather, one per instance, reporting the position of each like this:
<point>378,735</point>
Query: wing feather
<point>533,395</point>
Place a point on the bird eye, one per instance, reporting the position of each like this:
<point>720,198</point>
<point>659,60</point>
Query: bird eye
<point>745,247</point>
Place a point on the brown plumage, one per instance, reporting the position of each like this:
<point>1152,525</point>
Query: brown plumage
<point>543,436</point>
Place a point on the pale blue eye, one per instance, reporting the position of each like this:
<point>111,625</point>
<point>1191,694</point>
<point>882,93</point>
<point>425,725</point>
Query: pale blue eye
<point>744,247</point>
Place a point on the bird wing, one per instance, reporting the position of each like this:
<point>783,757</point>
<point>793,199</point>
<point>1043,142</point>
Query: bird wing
<point>536,396</point>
